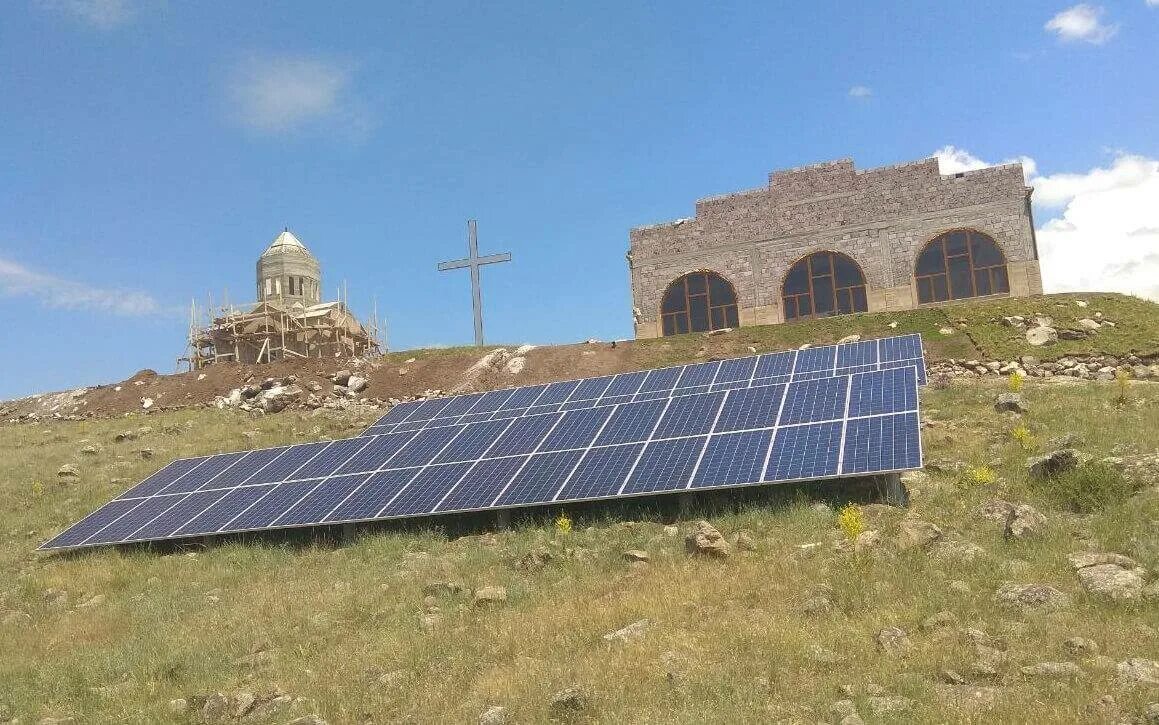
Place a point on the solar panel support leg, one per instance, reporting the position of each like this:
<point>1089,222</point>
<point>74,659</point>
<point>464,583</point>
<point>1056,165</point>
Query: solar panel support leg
<point>684,502</point>
<point>502,520</point>
<point>348,532</point>
<point>892,490</point>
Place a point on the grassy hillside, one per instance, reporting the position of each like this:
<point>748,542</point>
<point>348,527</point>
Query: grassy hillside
<point>786,632</point>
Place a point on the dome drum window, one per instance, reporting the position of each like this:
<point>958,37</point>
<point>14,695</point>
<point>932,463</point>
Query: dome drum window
<point>960,264</point>
<point>698,302</point>
<point>824,284</point>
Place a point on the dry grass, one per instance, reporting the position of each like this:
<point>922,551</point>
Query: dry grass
<point>729,640</point>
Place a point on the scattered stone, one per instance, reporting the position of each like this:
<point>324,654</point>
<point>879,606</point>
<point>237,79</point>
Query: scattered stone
<point>958,551</point>
<point>886,705</point>
<point>307,720</point>
<point>635,630</point>
<point>1052,669</point>
<point>357,384</point>
<point>439,588</point>
<point>843,708</point>
<point>637,555</point>
<point>945,331</point>
<point>1042,335</point>
<point>1151,713</point>
<point>342,377</point>
<point>1114,576</point>
<point>1031,596</point>
<point>92,602</point>
<point>535,559</point>
<point>494,715</point>
<point>242,703</point>
<point>848,339</point>
<point>893,641</point>
<point>568,703</point>
<point>215,708</point>
<point>996,509</point>
<point>1080,646</point>
<point>1053,463</point>
<point>1088,324</point>
<point>1023,522</point>
<point>913,533</point>
<point>705,539</point>
<point>89,450</point>
<point>822,655</point>
<point>672,530</point>
<point>1010,403</point>
<point>1138,670</point>
<point>489,595</point>
<point>817,605</point>
<point>967,698</point>
<point>744,540</point>
<point>68,471</point>
<point>939,620</point>
<point>853,719</point>
<point>179,706</point>
<point>268,708</point>
<point>146,403</point>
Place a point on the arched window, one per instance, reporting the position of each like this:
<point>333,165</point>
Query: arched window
<point>698,302</point>
<point>823,284</point>
<point>959,264</point>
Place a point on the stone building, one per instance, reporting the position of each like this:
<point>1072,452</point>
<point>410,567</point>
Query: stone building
<point>287,271</point>
<point>828,239</point>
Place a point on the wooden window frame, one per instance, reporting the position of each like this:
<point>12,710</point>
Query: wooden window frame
<point>990,270</point>
<point>795,299</point>
<point>710,302</point>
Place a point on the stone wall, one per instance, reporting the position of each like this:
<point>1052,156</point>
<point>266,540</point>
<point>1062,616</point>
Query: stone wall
<point>882,218</point>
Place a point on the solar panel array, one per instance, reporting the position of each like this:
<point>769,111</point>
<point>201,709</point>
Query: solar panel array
<point>744,372</point>
<point>829,427</point>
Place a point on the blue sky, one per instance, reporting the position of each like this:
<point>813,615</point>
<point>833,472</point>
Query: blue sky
<point>150,150</point>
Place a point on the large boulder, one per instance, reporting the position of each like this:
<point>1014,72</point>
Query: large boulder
<point>1010,403</point>
<point>1041,335</point>
<point>914,533</point>
<point>1113,576</point>
<point>1024,521</point>
<point>1053,463</point>
<point>1031,596</point>
<point>705,539</point>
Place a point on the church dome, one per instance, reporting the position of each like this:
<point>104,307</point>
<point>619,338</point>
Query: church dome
<point>288,272</point>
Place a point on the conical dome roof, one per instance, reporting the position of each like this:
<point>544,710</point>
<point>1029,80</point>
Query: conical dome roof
<point>285,243</point>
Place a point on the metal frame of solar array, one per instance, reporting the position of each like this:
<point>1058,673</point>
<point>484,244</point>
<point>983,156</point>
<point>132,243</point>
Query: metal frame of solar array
<point>744,372</point>
<point>859,424</point>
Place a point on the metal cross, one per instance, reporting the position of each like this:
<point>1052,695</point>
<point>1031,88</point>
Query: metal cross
<point>474,261</point>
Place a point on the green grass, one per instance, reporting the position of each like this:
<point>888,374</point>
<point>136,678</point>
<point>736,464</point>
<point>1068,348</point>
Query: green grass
<point>344,624</point>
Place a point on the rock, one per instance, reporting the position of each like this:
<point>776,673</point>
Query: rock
<point>822,655</point>
<point>967,698</point>
<point>744,540</point>
<point>1052,464</point>
<point>1138,670</point>
<point>884,705</point>
<point>1066,440</point>
<point>242,703</point>
<point>357,384</point>
<point>996,509</point>
<point>1031,596</point>
<point>535,559</point>
<point>1023,522</point>
<point>128,435</point>
<point>268,708</point>
<point>913,533</point>
<point>215,708</point>
<point>1085,559</point>
<point>440,588</point>
<point>945,331</point>
<point>179,706</point>
<point>89,450</point>
<point>494,715</point>
<point>1114,576</point>
<point>1080,646</point>
<point>56,721</point>
<point>635,630</point>
<point>92,602</point>
<point>1088,324</point>
<point>276,399</point>
<point>568,703</point>
<point>853,719</point>
<point>818,605</point>
<point>893,641</point>
<point>1010,403</point>
<point>146,403</point>
<point>1151,713</point>
<point>1051,669</point>
<point>489,595</point>
<point>68,471</point>
<point>1042,335</point>
<point>637,555</point>
<point>848,339</point>
<point>957,551</point>
<point>706,540</point>
<point>307,720</point>
<point>342,377</point>
<point>939,620</point>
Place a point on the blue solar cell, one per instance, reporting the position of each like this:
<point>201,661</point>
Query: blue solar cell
<point>290,460</point>
<point>750,408</point>
<point>429,409</point>
<point>903,347</point>
<point>371,496</point>
<point>853,369</point>
<point>242,469</point>
<point>653,395</point>
<point>592,388</point>
<point>857,353</point>
<point>918,363</point>
<point>698,374</point>
<point>538,409</point>
<point>464,420</point>
<point>662,379</point>
<point>230,505</point>
<point>616,399</point>
<point>474,441</point>
<point>558,392</point>
<point>579,404</point>
<point>423,448</point>
<point>164,477</point>
<point>815,358</point>
<point>271,506</point>
<point>523,436</point>
<point>333,457</point>
<point>398,413</point>
<point>692,415</point>
<point>804,451</point>
<point>426,490</point>
<point>577,425</point>
<point>94,522</point>
<point>321,501</point>
<point>482,484</point>
<point>524,397</point>
<point>492,401</point>
<point>733,458</point>
<point>888,391</point>
<point>626,384</point>
<point>739,369</point>
<point>881,443</point>
<point>775,364</point>
<point>508,414</point>
<point>204,473</point>
<point>628,424</point>
<point>411,427</point>
<point>377,454</point>
<point>814,400</point>
<point>378,430</point>
<point>124,527</point>
<point>540,479</point>
<point>601,472</point>
<point>177,516</point>
<point>460,405</point>
<point>665,465</point>
<point>730,386</point>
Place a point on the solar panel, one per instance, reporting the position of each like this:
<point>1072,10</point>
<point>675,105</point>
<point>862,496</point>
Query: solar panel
<point>850,424</point>
<point>660,384</point>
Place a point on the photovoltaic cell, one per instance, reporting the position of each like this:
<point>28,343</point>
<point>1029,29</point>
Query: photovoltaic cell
<point>807,426</point>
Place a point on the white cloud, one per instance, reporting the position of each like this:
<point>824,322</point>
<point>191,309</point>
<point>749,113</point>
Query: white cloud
<point>16,280</point>
<point>280,93</point>
<point>1099,229</point>
<point>1082,22</point>
<point>100,14</point>
<point>860,92</point>
<point>1153,3</point>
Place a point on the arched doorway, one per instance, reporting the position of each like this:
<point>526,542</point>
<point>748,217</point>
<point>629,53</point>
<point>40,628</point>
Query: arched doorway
<point>699,301</point>
<point>823,284</point>
<point>958,264</point>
